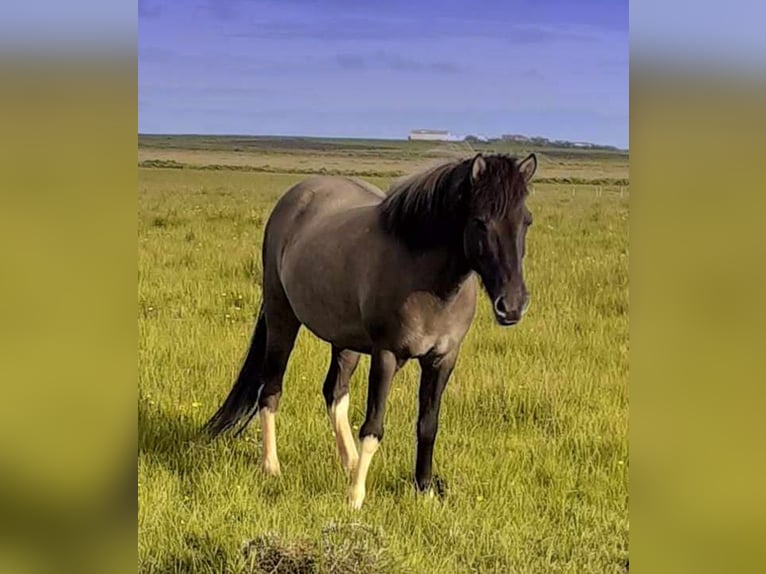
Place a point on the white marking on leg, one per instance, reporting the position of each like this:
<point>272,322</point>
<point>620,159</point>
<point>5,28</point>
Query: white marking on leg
<point>344,438</point>
<point>357,491</point>
<point>268,430</point>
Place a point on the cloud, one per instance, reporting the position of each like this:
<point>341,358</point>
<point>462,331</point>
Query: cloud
<point>352,62</point>
<point>532,74</point>
<point>409,65</point>
<point>410,29</point>
<point>614,65</point>
<point>222,9</point>
<point>155,55</point>
<point>188,90</point>
<point>533,35</point>
<point>386,61</point>
<point>149,10</point>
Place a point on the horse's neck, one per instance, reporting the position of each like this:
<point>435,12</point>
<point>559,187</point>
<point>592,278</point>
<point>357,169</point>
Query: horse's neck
<point>450,269</point>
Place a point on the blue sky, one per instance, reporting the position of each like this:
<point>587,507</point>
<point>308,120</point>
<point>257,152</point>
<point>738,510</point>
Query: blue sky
<point>352,68</point>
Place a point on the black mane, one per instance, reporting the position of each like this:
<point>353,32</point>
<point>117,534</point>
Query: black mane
<point>431,207</point>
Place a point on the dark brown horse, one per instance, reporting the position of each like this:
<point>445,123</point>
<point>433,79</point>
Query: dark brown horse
<point>392,276</point>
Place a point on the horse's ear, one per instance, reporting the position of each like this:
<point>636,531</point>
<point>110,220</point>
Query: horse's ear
<point>477,167</point>
<point>528,166</point>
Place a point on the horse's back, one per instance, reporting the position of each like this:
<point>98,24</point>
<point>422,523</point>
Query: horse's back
<point>310,202</point>
<point>320,195</point>
<point>312,244</point>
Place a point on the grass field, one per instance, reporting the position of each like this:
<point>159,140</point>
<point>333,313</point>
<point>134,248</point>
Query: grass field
<point>533,437</point>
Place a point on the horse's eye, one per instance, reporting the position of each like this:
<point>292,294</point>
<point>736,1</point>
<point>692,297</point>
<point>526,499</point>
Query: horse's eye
<point>480,223</point>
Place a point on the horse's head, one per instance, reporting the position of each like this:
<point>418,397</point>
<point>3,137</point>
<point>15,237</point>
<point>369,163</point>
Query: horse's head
<point>496,229</point>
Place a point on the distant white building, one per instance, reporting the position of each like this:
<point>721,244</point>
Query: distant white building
<point>430,135</point>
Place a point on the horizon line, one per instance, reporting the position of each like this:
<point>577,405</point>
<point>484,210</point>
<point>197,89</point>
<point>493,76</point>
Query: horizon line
<point>382,138</point>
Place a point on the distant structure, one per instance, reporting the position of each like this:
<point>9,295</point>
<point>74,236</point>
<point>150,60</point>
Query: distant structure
<point>525,141</point>
<point>545,142</point>
<point>475,138</point>
<point>514,138</point>
<point>430,135</point>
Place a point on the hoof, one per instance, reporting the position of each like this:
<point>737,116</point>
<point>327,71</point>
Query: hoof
<point>437,488</point>
<point>271,468</point>
<point>440,487</point>
<point>356,497</point>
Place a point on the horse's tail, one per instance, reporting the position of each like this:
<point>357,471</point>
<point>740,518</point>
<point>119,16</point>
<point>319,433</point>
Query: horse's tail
<point>242,403</point>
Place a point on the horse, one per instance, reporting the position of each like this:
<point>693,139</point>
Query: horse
<point>390,275</point>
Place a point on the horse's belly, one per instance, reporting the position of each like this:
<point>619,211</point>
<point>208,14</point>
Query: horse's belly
<point>343,331</point>
<point>324,302</point>
<point>334,325</point>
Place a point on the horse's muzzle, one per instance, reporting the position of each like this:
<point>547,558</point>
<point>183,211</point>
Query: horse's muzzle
<point>503,315</point>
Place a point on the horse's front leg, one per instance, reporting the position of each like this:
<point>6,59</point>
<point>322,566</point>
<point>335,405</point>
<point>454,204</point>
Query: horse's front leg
<point>383,367</point>
<point>435,371</point>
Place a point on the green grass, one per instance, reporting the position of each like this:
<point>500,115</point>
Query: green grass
<point>533,436</point>
<point>302,145</point>
<point>367,158</point>
<point>172,164</point>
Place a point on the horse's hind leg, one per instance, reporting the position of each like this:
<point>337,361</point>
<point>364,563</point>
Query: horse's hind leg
<point>335,390</point>
<point>282,328</point>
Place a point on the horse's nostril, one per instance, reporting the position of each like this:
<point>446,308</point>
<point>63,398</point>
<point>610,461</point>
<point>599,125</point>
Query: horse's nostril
<point>500,307</point>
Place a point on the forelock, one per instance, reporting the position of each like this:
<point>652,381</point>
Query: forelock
<point>500,189</point>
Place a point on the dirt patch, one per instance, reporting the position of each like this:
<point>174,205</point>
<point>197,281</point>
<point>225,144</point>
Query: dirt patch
<point>343,549</point>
